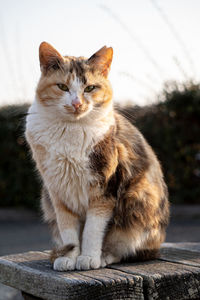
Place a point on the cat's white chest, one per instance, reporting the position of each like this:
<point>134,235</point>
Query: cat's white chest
<point>64,165</point>
<point>68,168</point>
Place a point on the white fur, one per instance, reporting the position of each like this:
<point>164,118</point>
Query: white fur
<point>75,91</point>
<point>65,169</point>
<point>70,236</point>
<point>93,235</point>
<point>85,262</point>
<point>64,264</point>
<point>109,259</point>
<point>64,165</point>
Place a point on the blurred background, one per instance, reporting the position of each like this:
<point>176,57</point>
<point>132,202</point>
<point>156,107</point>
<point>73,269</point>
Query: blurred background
<point>156,81</point>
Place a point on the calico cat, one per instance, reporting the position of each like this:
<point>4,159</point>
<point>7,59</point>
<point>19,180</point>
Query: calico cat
<point>104,195</point>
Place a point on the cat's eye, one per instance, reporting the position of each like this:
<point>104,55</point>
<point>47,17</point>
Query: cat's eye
<point>89,88</point>
<point>63,87</point>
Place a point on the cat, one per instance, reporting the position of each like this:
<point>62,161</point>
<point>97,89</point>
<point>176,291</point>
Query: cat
<point>104,195</point>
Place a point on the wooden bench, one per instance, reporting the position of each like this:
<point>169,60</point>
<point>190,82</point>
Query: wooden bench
<point>175,275</point>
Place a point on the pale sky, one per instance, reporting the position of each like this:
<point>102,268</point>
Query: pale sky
<point>151,46</point>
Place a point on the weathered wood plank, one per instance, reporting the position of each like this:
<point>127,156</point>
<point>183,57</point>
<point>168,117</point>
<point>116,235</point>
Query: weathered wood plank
<point>166,280</point>
<point>30,297</point>
<point>32,273</point>
<point>186,246</point>
<point>118,285</point>
<point>175,276</point>
<point>186,257</point>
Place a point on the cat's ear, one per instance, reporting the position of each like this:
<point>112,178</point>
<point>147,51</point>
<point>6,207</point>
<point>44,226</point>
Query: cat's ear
<point>50,58</point>
<point>102,60</point>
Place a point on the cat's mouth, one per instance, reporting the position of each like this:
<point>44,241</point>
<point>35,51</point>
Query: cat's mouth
<point>76,112</point>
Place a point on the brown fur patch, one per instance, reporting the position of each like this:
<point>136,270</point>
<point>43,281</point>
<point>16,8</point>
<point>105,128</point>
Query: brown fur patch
<point>122,160</point>
<point>79,68</point>
<point>50,58</point>
<point>102,60</point>
<point>101,205</point>
<point>59,252</point>
<point>103,158</point>
<point>143,255</point>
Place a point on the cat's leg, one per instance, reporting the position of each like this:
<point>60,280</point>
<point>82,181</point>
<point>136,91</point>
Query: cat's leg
<point>69,228</point>
<point>93,235</point>
<point>49,216</point>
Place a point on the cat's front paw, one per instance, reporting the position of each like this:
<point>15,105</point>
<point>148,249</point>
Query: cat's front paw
<point>85,262</point>
<point>64,264</point>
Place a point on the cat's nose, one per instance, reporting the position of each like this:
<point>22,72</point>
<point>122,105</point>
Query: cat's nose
<point>76,103</point>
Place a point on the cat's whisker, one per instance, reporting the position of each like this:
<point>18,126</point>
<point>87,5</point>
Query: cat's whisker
<point>29,113</point>
<point>126,114</point>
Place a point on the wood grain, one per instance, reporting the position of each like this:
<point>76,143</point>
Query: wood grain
<point>182,256</point>
<point>29,297</point>
<point>175,276</point>
<point>186,246</point>
<point>32,273</point>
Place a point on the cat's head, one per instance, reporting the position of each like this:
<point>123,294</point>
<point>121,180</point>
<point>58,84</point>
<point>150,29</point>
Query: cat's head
<point>74,88</point>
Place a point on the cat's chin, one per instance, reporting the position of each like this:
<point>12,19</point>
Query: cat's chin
<point>74,117</point>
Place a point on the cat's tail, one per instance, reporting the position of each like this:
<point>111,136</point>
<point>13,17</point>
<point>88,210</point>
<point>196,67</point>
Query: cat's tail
<point>62,251</point>
<point>143,255</point>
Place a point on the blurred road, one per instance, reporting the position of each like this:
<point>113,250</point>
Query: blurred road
<point>23,230</point>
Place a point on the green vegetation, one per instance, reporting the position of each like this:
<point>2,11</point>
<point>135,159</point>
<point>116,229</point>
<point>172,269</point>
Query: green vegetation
<point>19,184</point>
<point>172,127</point>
